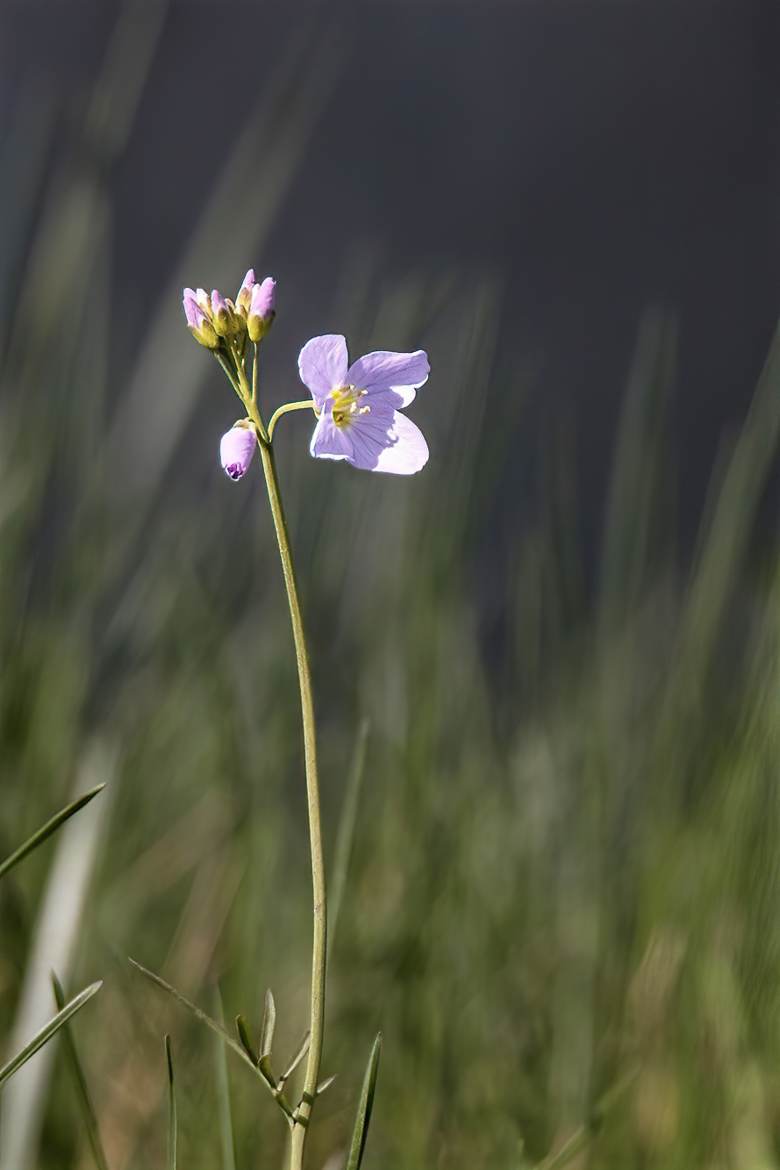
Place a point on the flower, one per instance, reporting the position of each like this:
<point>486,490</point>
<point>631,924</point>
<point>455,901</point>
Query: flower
<point>359,405</point>
<point>261,308</point>
<point>236,449</point>
<point>199,318</point>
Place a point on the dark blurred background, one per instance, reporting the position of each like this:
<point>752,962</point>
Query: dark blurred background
<point>562,635</point>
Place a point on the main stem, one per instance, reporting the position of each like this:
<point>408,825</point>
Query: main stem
<point>319,942</point>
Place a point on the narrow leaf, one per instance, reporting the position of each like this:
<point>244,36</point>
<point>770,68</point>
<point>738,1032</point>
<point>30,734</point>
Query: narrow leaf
<point>242,1031</point>
<point>365,1105</point>
<point>80,1082</point>
<point>323,1085</point>
<point>48,1031</point>
<point>173,1126</point>
<point>303,1048</point>
<point>46,830</point>
<point>268,1025</point>
<point>200,1015</point>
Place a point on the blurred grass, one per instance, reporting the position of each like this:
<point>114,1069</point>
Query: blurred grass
<point>563,878</point>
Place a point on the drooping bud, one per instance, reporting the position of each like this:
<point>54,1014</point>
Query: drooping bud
<point>198,321</point>
<point>261,309</point>
<point>237,449</point>
<point>244,297</point>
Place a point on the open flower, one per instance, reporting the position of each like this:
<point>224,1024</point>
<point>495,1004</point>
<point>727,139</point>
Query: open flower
<point>236,450</point>
<point>359,405</point>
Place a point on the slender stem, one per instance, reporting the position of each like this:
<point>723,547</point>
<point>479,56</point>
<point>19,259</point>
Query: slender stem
<point>288,406</point>
<point>229,372</point>
<point>311,1075</point>
<point>302,1114</point>
<point>319,941</point>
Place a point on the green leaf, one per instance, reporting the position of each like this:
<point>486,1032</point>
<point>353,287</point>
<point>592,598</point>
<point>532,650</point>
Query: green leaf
<point>300,1052</point>
<point>242,1031</point>
<point>268,1025</point>
<point>80,1082</point>
<point>173,1126</point>
<point>48,1031</point>
<point>46,830</point>
<point>365,1105</point>
<point>234,1045</point>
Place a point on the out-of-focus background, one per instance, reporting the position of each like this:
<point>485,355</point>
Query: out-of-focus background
<point>557,649</point>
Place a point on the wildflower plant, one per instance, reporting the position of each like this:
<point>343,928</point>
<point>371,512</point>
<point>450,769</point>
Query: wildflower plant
<point>358,408</point>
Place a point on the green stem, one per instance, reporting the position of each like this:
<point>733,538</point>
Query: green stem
<point>319,942</point>
<point>288,406</point>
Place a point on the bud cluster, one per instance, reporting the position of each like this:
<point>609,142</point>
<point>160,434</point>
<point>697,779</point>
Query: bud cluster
<point>215,320</point>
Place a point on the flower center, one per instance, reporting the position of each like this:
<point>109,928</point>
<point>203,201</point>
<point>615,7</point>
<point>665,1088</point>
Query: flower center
<point>345,405</point>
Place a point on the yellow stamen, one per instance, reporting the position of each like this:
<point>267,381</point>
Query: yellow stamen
<point>345,405</point>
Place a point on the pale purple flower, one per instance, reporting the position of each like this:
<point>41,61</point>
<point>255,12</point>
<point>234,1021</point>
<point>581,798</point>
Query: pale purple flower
<point>236,450</point>
<point>261,309</point>
<point>359,405</point>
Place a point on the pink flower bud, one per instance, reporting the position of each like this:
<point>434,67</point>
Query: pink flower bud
<point>198,322</point>
<point>220,314</point>
<point>261,309</point>
<point>237,449</point>
<point>245,292</point>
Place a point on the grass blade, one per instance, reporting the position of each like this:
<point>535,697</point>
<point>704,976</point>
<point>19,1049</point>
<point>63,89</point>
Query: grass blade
<point>346,830</point>
<point>46,830</point>
<point>80,1081</point>
<point>48,1031</point>
<point>226,1141</point>
<point>200,1015</point>
<point>173,1126</point>
<point>365,1105</point>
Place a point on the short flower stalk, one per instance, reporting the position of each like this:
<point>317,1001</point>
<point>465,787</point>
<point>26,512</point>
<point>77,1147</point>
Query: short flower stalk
<point>358,408</point>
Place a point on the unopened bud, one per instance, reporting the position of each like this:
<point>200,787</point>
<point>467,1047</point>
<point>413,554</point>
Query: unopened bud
<point>261,309</point>
<point>220,314</point>
<point>198,322</point>
<point>236,449</point>
<point>244,297</point>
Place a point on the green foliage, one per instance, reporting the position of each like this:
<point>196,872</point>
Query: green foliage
<point>365,1106</point>
<point>48,1031</point>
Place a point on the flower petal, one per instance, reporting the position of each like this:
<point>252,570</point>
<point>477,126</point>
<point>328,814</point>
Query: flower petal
<point>322,365</point>
<point>384,370</point>
<point>387,441</point>
<point>407,451</point>
<point>330,441</point>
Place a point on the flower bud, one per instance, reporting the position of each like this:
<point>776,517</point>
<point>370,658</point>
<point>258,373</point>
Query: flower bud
<point>203,299</point>
<point>198,322</point>
<point>236,449</point>
<point>220,314</point>
<point>261,309</point>
<point>245,293</point>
